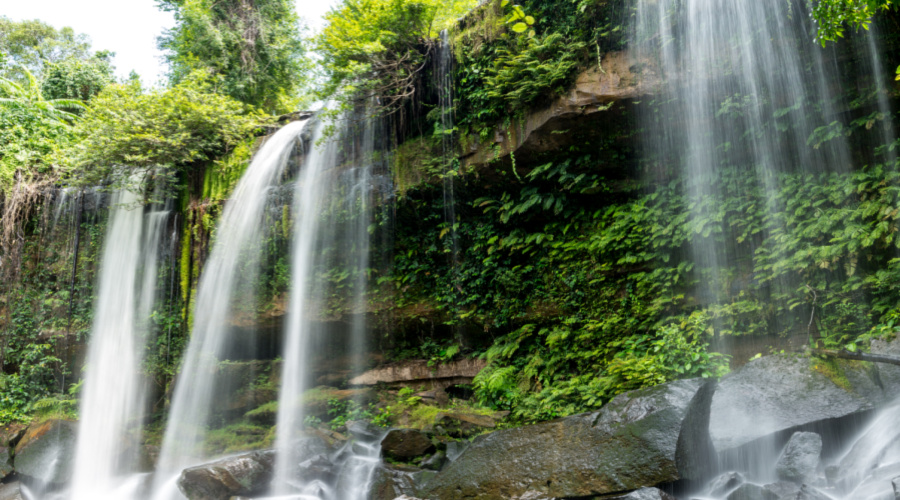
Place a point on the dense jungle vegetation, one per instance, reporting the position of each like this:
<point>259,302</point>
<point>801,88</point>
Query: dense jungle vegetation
<point>568,272</point>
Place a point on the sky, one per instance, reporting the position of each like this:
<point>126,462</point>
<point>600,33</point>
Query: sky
<point>127,27</point>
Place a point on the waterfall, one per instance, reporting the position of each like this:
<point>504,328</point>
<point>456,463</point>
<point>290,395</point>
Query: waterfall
<point>114,393</point>
<point>332,210</point>
<point>233,261</point>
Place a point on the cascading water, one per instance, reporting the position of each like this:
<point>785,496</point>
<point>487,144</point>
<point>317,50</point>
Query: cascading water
<point>745,90</point>
<point>332,210</point>
<point>232,262</point>
<point>114,394</point>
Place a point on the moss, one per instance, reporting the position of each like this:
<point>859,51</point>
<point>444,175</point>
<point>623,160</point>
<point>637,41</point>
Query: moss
<point>832,369</point>
<point>220,179</point>
<point>416,161</point>
<point>239,437</point>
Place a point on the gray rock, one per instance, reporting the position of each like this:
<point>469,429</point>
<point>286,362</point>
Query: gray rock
<point>45,452</point>
<point>895,484</point>
<point>810,493</point>
<point>248,474</point>
<point>725,483</point>
<point>800,458</point>
<point>784,489</point>
<point>748,491</point>
<point>406,444</point>
<point>390,482</point>
<point>361,429</point>
<point>778,393</point>
<point>434,462</point>
<point>317,468</point>
<point>455,449</point>
<point>6,467</point>
<point>11,491</point>
<point>644,437</point>
<point>646,494</point>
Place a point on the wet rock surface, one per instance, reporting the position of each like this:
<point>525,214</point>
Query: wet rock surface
<point>778,393</point>
<point>638,439</point>
<point>725,483</point>
<point>390,482</point>
<point>645,494</point>
<point>11,491</point>
<point>749,491</point>
<point>242,475</point>
<point>405,444</point>
<point>800,458</point>
<point>44,454</point>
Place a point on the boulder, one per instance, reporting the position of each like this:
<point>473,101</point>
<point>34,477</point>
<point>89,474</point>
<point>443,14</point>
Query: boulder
<point>247,474</point>
<point>638,439</point>
<point>777,394</point>
<point>784,489</point>
<point>420,373</point>
<point>45,452</point>
<point>390,482</point>
<point>11,491</point>
<point>895,484</point>
<point>645,494</point>
<point>6,467</point>
<point>725,483</point>
<point>810,493</point>
<point>800,458</point>
<point>406,444</point>
<point>748,491</point>
<point>462,425</point>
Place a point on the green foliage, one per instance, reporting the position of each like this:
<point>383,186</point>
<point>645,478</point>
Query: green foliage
<point>378,48</point>
<point>31,128</point>
<point>253,49</point>
<point>76,78</point>
<point>833,17</point>
<point>31,44</point>
<point>176,129</point>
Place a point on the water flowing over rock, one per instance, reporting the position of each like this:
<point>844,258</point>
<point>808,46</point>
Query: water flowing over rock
<point>234,258</point>
<point>11,491</point>
<point>800,458</point>
<point>748,491</point>
<point>638,439</point>
<point>45,453</point>
<point>247,474</point>
<point>780,393</point>
<point>645,494</point>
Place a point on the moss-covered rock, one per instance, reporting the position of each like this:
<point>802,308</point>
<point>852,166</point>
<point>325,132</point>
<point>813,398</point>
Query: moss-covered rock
<point>641,438</point>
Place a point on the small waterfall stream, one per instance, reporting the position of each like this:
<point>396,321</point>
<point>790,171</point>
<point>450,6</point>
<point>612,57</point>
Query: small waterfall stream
<point>333,213</point>
<point>114,394</point>
<point>233,260</point>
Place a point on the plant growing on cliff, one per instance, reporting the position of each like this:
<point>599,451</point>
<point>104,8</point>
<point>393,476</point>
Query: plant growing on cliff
<point>169,131</point>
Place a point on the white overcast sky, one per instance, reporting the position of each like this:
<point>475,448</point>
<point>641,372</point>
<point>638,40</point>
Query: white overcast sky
<point>127,27</point>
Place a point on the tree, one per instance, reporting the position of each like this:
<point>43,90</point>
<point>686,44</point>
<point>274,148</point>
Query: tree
<point>78,78</point>
<point>375,50</point>
<point>32,44</point>
<point>168,131</point>
<point>253,47</point>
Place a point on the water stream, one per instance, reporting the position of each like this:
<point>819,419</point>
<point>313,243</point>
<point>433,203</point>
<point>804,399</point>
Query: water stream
<point>233,261</point>
<point>114,395</point>
<point>333,213</point>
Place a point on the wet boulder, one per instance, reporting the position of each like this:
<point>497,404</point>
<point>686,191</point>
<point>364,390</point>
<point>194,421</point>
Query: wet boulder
<point>784,490</point>
<point>406,444</point>
<point>645,494</point>
<point>247,474</point>
<point>393,481</point>
<point>800,458</point>
<point>748,491</point>
<point>45,453</point>
<point>775,394</point>
<point>725,483</point>
<point>638,439</point>
<point>11,491</point>
<point>809,493</point>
